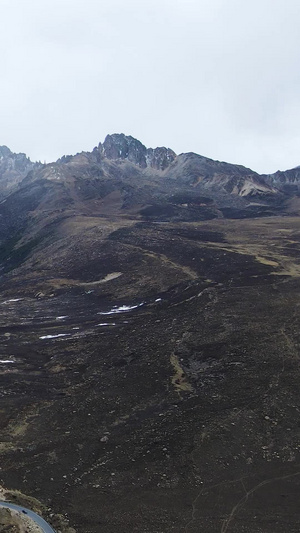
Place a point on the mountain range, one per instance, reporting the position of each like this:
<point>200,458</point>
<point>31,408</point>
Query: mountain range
<point>124,157</point>
<point>121,176</point>
<point>119,179</point>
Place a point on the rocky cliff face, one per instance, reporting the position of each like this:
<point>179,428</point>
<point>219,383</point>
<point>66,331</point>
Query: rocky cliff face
<point>120,146</point>
<point>13,168</point>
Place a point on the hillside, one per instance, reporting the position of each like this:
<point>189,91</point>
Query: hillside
<point>149,344</point>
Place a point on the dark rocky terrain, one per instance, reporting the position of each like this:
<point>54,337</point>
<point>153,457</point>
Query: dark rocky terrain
<point>149,340</point>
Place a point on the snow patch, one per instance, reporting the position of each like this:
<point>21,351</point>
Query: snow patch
<point>122,309</point>
<point>106,324</point>
<point>55,336</point>
<point>12,300</point>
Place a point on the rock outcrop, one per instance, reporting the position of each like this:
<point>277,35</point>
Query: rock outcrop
<point>119,146</point>
<point>13,168</point>
<point>287,181</point>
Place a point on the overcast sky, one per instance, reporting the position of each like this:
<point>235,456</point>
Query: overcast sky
<point>217,77</point>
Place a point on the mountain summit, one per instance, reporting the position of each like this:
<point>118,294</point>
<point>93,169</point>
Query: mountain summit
<point>13,168</point>
<point>120,146</point>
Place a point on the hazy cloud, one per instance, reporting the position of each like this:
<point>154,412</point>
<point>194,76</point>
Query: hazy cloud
<point>218,77</point>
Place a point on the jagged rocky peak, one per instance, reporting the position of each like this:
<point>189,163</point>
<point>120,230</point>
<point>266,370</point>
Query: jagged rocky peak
<point>160,157</point>
<point>13,168</point>
<point>5,151</point>
<point>120,146</point>
<point>10,160</point>
<point>287,180</point>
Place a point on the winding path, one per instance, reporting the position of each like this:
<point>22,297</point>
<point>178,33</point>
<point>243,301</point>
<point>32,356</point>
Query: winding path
<point>35,517</point>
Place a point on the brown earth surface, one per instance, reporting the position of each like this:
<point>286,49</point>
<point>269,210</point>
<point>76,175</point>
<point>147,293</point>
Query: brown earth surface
<point>179,414</point>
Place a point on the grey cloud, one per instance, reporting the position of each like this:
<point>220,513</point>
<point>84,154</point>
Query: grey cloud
<point>216,77</point>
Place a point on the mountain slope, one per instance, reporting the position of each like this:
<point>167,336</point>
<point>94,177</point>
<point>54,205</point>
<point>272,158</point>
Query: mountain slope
<point>149,335</point>
<point>120,181</point>
<point>287,181</point>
